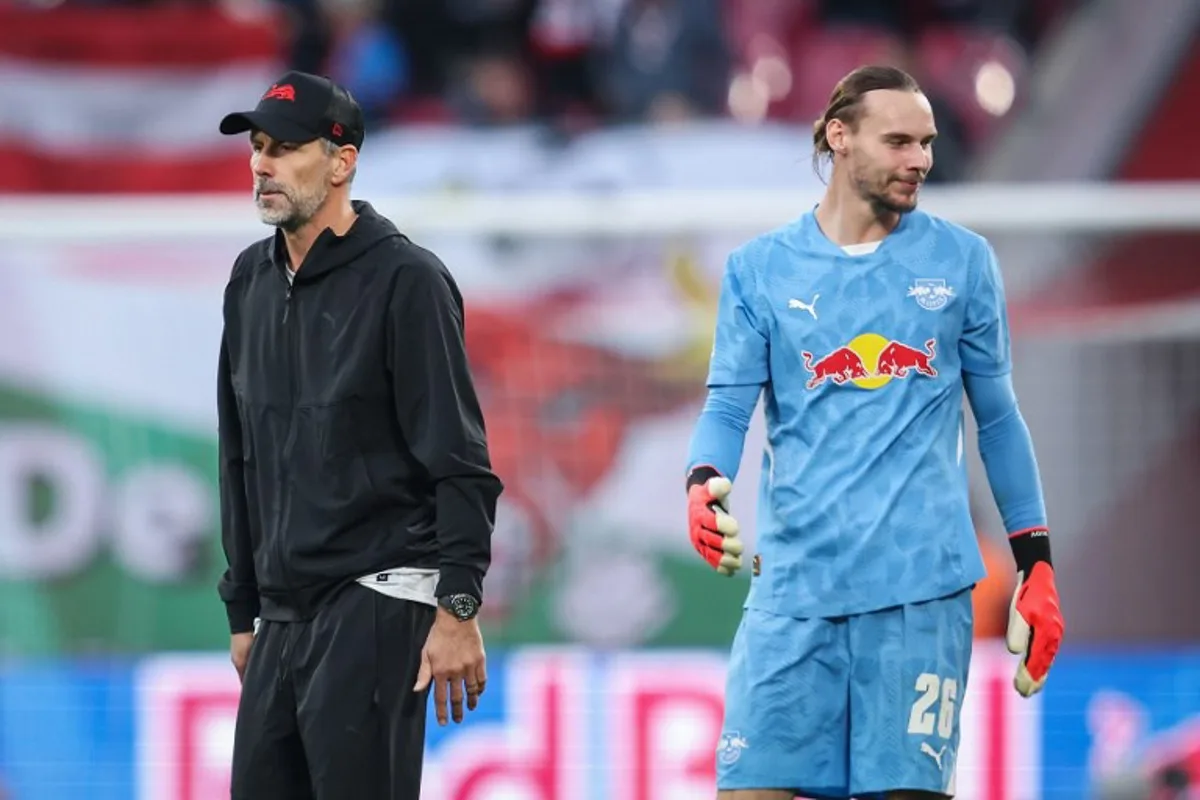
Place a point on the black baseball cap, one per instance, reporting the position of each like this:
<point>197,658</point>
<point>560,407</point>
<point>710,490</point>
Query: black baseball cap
<point>300,108</point>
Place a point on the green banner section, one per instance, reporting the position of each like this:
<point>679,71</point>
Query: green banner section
<point>109,542</point>
<point>110,538</point>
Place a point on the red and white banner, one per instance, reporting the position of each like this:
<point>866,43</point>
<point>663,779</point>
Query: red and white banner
<point>129,99</point>
<point>567,724</point>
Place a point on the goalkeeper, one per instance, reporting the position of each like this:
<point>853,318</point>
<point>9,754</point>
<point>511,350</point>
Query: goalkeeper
<point>861,325</point>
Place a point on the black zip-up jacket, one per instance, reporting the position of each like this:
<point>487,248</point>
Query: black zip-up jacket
<point>351,437</point>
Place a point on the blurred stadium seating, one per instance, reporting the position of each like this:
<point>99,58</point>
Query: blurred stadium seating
<point>83,72</point>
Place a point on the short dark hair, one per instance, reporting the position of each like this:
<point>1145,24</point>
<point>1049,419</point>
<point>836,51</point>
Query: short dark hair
<point>845,102</point>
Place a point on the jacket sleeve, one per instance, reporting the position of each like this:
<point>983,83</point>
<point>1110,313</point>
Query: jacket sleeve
<point>441,419</point>
<point>237,587</point>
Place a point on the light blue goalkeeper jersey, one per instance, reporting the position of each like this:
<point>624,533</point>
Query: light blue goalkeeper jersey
<point>863,501</point>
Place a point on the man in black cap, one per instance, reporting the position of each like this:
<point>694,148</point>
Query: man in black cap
<point>357,496</point>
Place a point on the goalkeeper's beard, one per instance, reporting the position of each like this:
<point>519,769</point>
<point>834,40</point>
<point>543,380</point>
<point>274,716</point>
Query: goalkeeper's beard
<point>876,192</point>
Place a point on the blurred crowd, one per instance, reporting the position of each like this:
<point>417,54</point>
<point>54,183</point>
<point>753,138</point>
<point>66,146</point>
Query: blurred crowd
<point>579,62</point>
<point>488,62</point>
<point>572,66</point>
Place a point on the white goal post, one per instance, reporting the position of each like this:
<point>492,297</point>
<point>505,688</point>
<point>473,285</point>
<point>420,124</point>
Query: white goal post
<point>1087,208</point>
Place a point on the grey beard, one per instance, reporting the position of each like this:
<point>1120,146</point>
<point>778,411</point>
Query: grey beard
<point>297,211</point>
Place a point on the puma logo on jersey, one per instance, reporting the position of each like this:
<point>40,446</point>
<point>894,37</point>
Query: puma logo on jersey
<point>800,305</point>
<point>936,755</point>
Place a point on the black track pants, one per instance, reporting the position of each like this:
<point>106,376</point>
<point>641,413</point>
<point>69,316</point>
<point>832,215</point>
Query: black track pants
<point>327,710</point>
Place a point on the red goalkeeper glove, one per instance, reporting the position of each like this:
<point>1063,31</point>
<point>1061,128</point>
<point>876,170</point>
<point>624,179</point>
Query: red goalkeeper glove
<point>714,532</point>
<point>1035,623</point>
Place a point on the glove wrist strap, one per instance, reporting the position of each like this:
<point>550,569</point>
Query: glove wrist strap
<point>1030,546</point>
<point>700,475</point>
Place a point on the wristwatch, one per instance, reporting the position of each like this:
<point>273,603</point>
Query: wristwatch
<point>463,606</point>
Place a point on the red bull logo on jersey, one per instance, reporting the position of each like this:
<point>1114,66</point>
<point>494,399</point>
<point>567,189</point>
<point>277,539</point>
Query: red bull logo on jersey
<point>870,361</point>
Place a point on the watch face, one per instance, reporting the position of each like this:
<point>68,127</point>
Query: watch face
<point>463,606</point>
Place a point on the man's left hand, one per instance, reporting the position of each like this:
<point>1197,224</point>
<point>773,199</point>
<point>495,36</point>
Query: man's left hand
<point>1035,628</point>
<point>453,659</point>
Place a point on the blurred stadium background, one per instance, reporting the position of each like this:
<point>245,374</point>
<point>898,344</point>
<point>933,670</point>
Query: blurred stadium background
<point>584,166</point>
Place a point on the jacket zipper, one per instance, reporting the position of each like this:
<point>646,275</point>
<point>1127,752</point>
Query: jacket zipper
<point>289,334</point>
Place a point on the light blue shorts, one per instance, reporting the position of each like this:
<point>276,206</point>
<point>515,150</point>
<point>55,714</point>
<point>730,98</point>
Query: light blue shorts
<point>852,706</point>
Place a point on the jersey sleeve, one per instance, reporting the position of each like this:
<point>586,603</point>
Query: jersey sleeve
<point>740,343</point>
<point>1006,450</point>
<point>985,348</point>
<point>720,433</point>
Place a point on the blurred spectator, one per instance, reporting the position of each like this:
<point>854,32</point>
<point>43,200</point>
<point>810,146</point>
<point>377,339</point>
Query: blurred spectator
<point>442,37</point>
<point>998,15</point>
<point>908,17</point>
<point>667,60</point>
<point>307,35</point>
<point>366,55</point>
<point>352,42</point>
<point>887,14</point>
<point>566,36</point>
<point>492,88</point>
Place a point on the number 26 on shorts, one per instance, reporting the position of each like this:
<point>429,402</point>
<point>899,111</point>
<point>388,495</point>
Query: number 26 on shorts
<point>925,718</point>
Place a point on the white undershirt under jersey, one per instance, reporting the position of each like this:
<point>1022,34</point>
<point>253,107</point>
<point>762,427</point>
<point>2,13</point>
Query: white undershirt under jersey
<point>864,249</point>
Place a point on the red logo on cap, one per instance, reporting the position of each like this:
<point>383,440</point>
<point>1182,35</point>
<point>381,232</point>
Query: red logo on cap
<point>277,92</point>
<point>337,129</point>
